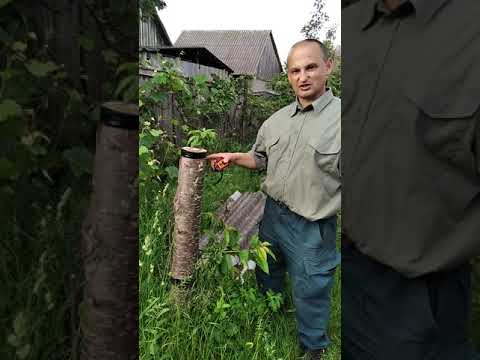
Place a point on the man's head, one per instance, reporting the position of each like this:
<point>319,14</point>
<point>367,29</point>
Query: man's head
<point>308,67</point>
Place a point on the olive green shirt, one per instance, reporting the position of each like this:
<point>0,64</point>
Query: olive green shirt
<point>411,133</point>
<point>300,149</point>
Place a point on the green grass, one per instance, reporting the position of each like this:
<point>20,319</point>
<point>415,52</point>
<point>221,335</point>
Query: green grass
<point>217,317</point>
<point>41,279</point>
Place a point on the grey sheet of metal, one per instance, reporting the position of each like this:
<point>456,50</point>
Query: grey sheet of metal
<point>243,212</point>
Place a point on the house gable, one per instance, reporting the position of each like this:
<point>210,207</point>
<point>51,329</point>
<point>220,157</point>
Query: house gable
<point>153,34</point>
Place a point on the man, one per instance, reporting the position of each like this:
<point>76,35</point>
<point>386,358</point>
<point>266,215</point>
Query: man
<point>299,146</point>
<point>411,178</point>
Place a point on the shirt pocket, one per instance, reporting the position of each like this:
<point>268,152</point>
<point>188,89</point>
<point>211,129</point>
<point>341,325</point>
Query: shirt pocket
<point>445,126</point>
<point>274,151</point>
<point>324,155</point>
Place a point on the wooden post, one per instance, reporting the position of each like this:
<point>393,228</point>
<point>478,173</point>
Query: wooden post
<point>109,312</point>
<point>187,209</point>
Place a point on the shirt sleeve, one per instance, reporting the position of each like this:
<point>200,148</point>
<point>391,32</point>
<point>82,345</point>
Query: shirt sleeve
<point>259,150</point>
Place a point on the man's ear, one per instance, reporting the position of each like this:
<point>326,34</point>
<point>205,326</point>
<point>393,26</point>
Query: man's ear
<point>329,66</point>
<point>289,77</point>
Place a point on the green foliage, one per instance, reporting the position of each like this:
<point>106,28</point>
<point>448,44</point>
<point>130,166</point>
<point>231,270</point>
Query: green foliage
<point>335,79</point>
<point>218,316</point>
<point>203,138</point>
<point>127,86</point>
<point>9,109</point>
<point>231,258</point>
<point>147,7</point>
<point>313,28</point>
<point>149,141</point>
<point>48,121</point>
<point>79,159</point>
<point>197,99</point>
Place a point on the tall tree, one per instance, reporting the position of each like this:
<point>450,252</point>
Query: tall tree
<point>149,7</point>
<point>317,22</point>
<point>320,23</point>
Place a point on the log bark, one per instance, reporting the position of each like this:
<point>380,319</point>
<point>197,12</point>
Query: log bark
<point>187,212</point>
<point>109,313</point>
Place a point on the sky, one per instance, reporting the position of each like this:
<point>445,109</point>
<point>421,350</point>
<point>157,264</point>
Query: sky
<point>284,18</point>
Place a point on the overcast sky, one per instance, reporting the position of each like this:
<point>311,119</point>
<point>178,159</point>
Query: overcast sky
<point>284,18</point>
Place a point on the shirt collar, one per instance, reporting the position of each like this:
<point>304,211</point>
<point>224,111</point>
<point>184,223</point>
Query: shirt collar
<point>425,9</point>
<point>318,105</point>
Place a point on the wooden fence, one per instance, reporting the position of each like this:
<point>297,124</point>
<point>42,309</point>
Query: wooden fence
<point>234,124</point>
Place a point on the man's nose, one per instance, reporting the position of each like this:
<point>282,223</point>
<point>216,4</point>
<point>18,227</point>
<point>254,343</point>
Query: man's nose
<point>303,76</point>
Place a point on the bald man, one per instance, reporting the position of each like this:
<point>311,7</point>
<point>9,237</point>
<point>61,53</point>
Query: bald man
<point>299,147</point>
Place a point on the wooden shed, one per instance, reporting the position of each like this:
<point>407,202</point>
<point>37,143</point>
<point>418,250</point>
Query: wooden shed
<point>247,52</point>
<point>155,45</point>
<point>152,33</point>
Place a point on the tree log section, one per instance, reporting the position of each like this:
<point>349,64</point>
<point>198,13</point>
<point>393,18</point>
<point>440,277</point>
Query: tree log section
<point>187,211</point>
<point>109,313</point>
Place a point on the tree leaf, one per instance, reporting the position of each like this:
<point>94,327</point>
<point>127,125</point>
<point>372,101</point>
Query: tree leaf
<point>4,3</point>
<point>41,69</point>
<point>79,159</point>
<point>19,46</point>
<point>156,132</point>
<point>20,325</point>
<point>254,242</point>
<point>110,56</point>
<point>13,340</point>
<point>5,36</point>
<point>9,109</point>
<point>262,259</point>
<point>126,83</point>
<point>86,43</point>
<point>226,236</point>
<point>226,264</point>
<point>172,172</point>
<point>142,150</point>
<point>243,254</point>
<point>7,169</point>
<point>270,252</point>
<point>23,352</point>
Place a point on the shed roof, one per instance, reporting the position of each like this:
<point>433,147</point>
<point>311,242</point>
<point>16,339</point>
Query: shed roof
<point>239,49</point>
<point>197,55</point>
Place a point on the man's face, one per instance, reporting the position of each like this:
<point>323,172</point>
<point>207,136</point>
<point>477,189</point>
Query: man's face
<point>308,72</point>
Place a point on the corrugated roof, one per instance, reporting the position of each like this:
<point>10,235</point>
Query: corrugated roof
<point>243,212</point>
<point>239,49</point>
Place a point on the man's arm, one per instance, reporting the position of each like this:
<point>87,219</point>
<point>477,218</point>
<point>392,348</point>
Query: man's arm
<point>246,160</point>
<point>255,159</point>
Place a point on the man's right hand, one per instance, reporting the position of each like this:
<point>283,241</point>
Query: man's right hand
<point>227,159</point>
<point>241,159</point>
